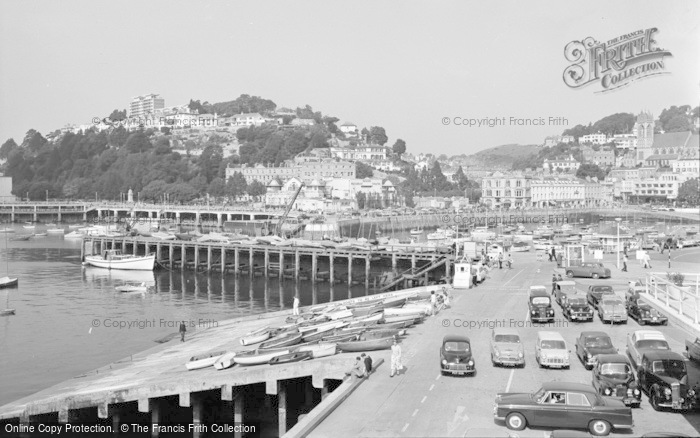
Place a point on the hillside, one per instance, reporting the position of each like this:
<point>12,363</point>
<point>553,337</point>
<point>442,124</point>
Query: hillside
<point>504,156</point>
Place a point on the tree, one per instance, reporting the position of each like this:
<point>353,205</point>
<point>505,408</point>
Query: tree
<point>363,171</point>
<point>209,161</point>
<point>217,187</point>
<point>256,189</point>
<point>689,192</point>
<point>460,179</point>
<point>679,123</point>
<point>7,147</point>
<point>236,185</point>
<point>137,142</point>
<point>117,115</point>
<point>377,135</point>
<point>361,199</point>
<point>399,147</point>
<point>590,170</point>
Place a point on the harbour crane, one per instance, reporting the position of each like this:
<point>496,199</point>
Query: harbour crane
<point>283,218</point>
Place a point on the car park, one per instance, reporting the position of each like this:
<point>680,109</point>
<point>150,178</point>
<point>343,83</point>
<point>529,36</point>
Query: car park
<point>456,356</point>
<point>563,404</point>
<point>663,376</point>
<point>588,270</point>
<point>642,341</point>
<point>507,348</point>
<point>643,312</point>
<point>589,344</point>
<point>540,305</point>
<point>612,310</point>
<point>551,350</point>
<point>613,377</point>
<point>596,292</point>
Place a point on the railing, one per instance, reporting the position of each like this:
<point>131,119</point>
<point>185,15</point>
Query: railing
<point>681,300</point>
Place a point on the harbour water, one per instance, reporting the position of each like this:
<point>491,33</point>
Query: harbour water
<point>70,319</point>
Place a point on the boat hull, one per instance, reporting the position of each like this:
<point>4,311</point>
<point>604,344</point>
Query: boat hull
<point>203,363</point>
<point>368,345</point>
<point>8,282</point>
<point>145,263</point>
<point>255,338</point>
<point>225,361</point>
<point>257,357</point>
<point>320,350</point>
<point>296,356</point>
<point>285,340</point>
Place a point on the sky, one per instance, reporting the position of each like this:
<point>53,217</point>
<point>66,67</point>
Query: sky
<point>402,65</point>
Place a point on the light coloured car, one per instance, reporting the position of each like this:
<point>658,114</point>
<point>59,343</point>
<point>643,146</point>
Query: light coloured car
<point>551,350</point>
<point>641,341</point>
<point>507,348</point>
<point>612,310</point>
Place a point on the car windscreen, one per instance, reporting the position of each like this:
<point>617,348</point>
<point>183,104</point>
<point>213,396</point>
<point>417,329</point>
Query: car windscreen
<point>577,301</point>
<point>510,339</point>
<point>653,344</point>
<point>460,346</point>
<point>619,370</point>
<point>540,301</point>
<point>598,342</point>
<point>669,368</point>
<point>616,303</point>
<point>549,344</point>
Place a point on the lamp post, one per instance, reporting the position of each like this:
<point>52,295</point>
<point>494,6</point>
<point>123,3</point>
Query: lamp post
<point>617,250</point>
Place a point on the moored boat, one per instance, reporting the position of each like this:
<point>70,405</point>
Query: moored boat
<point>256,336</point>
<point>284,340</point>
<point>320,350</point>
<point>380,333</point>
<point>257,357</point>
<point>366,345</point>
<point>8,282</point>
<point>225,361</point>
<point>114,259</point>
<point>341,337</point>
<point>369,320</point>
<point>203,360</point>
<point>296,356</point>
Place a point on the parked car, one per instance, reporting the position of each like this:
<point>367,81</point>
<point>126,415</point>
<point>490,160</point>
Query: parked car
<point>576,308</point>
<point>456,355</point>
<point>641,341</point>
<point>563,404</point>
<point>540,305</point>
<point>612,310</point>
<point>649,245</point>
<point>588,270</point>
<point>591,344</point>
<point>643,313</point>
<point>506,348</point>
<point>613,377</point>
<point>551,350</point>
<point>692,349</point>
<point>562,289</point>
<point>596,292</point>
<point>664,378</point>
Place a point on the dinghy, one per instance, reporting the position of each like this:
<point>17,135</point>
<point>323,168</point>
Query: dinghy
<point>296,356</point>
<point>225,361</point>
<point>256,357</point>
<point>203,360</point>
<point>320,350</point>
<point>256,336</point>
<point>284,340</point>
<point>366,345</point>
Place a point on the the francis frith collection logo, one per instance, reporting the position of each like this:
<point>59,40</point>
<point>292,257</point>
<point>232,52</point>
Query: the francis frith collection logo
<point>615,63</point>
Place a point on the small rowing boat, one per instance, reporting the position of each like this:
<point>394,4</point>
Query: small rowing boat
<point>322,327</point>
<point>203,360</point>
<point>256,336</point>
<point>366,345</point>
<point>406,310</point>
<point>378,334</point>
<point>225,361</point>
<point>341,337</point>
<point>340,314</point>
<point>367,310</point>
<point>369,320</point>
<point>296,356</point>
<point>283,340</point>
<point>257,357</point>
<point>402,318</point>
<point>320,350</point>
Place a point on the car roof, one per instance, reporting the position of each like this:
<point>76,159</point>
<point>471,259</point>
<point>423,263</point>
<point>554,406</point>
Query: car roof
<point>459,338</point>
<point>567,386</point>
<point>611,298</point>
<point>550,335</point>
<point>649,334</point>
<point>590,334</point>
<point>566,283</point>
<point>505,331</point>
<point>538,287</point>
<point>663,355</point>
<point>538,293</point>
<point>612,358</point>
<point>600,286</point>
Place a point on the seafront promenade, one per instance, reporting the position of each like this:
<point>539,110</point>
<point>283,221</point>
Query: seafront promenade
<point>421,402</point>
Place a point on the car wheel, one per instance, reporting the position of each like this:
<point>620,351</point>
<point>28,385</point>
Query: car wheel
<point>641,321</point>
<point>516,421</point>
<point>665,322</point>
<point>599,428</point>
<point>654,400</point>
<point>570,274</point>
<point>595,276</point>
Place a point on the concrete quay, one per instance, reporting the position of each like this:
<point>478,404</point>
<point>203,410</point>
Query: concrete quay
<point>421,402</point>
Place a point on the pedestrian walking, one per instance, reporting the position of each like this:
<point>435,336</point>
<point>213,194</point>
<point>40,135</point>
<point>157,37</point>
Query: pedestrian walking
<point>554,254</point>
<point>295,306</point>
<point>433,302</point>
<point>510,262</point>
<point>549,254</point>
<point>559,277</point>
<point>396,365</point>
<point>358,368</point>
<point>474,283</point>
<point>647,260</point>
<point>183,330</point>
<point>624,263</point>
<point>554,283</point>
<point>368,363</point>
<point>625,248</point>
<point>500,260</point>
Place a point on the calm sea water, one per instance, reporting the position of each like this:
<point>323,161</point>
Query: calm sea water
<point>68,316</point>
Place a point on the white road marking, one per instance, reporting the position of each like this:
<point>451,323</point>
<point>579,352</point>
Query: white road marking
<point>510,380</point>
<point>431,387</point>
<point>424,398</point>
<point>414,413</point>
<point>513,277</point>
<point>438,377</point>
<point>405,426</point>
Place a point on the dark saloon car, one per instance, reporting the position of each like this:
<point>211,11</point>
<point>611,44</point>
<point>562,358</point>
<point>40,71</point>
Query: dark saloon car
<point>664,377</point>
<point>643,313</point>
<point>591,344</point>
<point>613,377</point>
<point>456,355</point>
<point>595,293</point>
<point>540,305</point>
<point>589,270</point>
<point>561,404</point>
<point>576,308</point>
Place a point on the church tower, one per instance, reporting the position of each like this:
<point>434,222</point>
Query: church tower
<point>644,130</point>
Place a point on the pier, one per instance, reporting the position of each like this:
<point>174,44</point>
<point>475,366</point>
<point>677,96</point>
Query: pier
<point>333,265</point>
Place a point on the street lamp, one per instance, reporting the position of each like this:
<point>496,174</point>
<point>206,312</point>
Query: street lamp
<point>617,250</point>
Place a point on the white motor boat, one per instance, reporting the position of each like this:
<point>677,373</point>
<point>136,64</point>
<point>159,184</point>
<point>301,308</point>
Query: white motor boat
<point>114,259</point>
